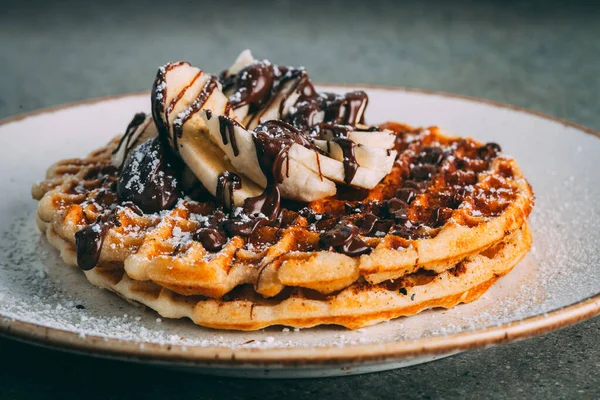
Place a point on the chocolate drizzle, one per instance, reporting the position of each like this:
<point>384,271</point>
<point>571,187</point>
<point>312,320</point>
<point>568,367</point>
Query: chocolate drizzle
<point>258,85</point>
<point>196,106</point>
<point>251,86</point>
<point>158,97</point>
<point>337,131</point>
<point>227,182</point>
<point>179,95</point>
<point>268,203</point>
<point>211,238</point>
<point>339,112</point>
<point>89,239</point>
<point>344,239</point>
<point>350,164</point>
<point>345,109</point>
<point>273,140</point>
<point>88,243</point>
<point>128,142</point>
<point>226,128</point>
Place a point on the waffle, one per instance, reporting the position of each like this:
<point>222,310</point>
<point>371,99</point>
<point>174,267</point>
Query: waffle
<point>356,306</point>
<point>464,203</point>
<point>77,191</point>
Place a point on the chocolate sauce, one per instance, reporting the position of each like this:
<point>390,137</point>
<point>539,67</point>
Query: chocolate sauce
<point>196,106</point>
<point>406,194</point>
<point>431,155</point>
<point>226,128</point>
<point>341,113</point>
<point>345,110</point>
<point>89,239</point>
<point>273,140</point>
<point>149,178</point>
<point>179,95</point>
<point>489,151</point>
<point>158,97</point>
<point>337,131</point>
<point>344,239</point>
<point>244,228</point>
<point>251,86</point>
<point>227,182</point>
<point>128,140</point>
<point>88,243</point>
<point>304,115</point>
<point>350,164</point>
<point>257,85</point>
<point>302,87</point>
<point>211,239</point>
<point>366,223</point>
<point>268,203</point>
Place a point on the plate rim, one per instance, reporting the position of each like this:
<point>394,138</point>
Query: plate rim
<point>286,357</point>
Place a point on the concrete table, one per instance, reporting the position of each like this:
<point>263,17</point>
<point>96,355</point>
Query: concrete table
<point>541,55</point>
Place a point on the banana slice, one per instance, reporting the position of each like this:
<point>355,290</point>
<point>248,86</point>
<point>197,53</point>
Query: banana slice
<point>381,139</point>
<point>366,156</point>
<point>179,93</point>
<point>334,169</point>
<point>242,61</point>
<point>299,182</point>
<point>207,162</point>
<point>237,143</point>
<point>302,183</point>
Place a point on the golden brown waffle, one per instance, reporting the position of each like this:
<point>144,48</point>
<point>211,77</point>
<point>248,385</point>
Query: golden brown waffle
<point>356,306</point>
<point>76,192</point>
<point>460,199</point>
<point>498,203</point>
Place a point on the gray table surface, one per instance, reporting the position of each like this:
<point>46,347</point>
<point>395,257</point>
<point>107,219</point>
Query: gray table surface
<point>543,55</point>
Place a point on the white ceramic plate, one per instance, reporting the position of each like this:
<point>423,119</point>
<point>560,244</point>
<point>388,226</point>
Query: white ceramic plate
<point>558,283</point>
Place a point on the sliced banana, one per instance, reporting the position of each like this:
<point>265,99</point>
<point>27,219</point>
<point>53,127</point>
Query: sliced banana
<point>242,61</point>
<point>304,184</point>
<point>191,109</point>
<point>237,143</point>
<point>366,156</point>
<point>208,162</point>
<point>334,169</point>
<point>380,139</point>
<point>186,91</point>
<point>299,182</point>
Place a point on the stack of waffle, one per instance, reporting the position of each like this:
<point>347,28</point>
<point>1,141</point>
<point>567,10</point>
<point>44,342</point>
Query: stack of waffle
<point>446,222</point>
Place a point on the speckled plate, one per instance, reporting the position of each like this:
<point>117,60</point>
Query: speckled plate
<point>557,284</point>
